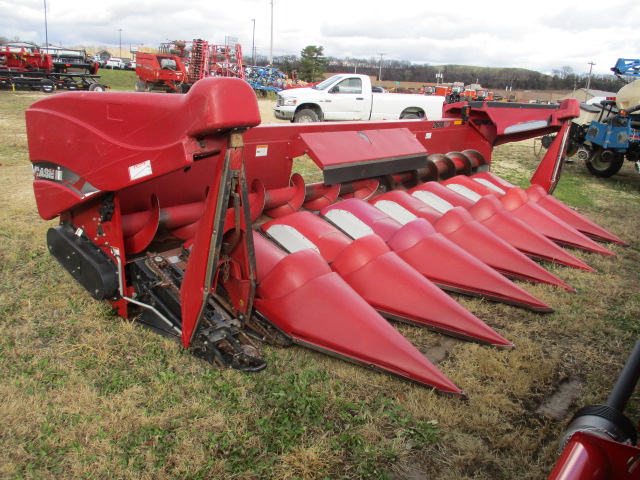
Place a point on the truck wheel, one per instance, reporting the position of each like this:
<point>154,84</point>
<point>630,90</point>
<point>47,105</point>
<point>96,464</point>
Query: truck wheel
<point>605,163</point>
<point>305,115</point>
<point>47,86</point>
<point>96,87</point>
<point>140,86</point>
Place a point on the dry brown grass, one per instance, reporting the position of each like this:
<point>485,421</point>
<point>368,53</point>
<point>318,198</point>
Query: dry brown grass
<point>87,395</point>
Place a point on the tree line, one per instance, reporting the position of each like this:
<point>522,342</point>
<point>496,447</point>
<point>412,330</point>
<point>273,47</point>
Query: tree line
<point>311,65</point>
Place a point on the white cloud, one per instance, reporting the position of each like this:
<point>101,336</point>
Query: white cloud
<point>542,35</point>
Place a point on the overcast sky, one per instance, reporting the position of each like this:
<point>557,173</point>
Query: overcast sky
<point>541,35</point>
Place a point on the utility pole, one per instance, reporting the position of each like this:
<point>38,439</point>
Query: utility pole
<point>586,95</point>
<point>46,29</point>
<point>120,32</point>
<point>380,71</point>
<point>271,47</point>
<point>253,43</point>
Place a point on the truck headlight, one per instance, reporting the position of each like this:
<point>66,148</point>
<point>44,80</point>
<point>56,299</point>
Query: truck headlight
<point>290,102</point>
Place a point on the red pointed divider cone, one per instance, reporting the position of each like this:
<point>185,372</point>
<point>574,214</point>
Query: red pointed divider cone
<point>302,296</point>
<point>459,227</point>
<point>517,202</point>
<point>494,182</point>
<point>431,254</point>
<point>382,278</point>
<point>490,212</point>
<point>537,194</point>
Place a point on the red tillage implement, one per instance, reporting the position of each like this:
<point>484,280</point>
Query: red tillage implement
<point>183,213</point>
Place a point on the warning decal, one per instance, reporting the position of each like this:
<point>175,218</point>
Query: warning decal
<point>140,170</point>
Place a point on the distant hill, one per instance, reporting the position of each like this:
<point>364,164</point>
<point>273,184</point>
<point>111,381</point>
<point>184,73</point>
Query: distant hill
<point>488,77</point>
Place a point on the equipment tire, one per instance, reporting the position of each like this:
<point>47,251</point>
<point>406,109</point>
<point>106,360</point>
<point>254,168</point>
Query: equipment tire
<point>140,86</point>
<point>605,163</point>
<point>584,153</point>
<point>410,116</point>
<point>305,115</point>
<point>47,86</point>
<point>96,87</point>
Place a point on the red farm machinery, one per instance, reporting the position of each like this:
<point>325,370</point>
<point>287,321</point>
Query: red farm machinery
<point>458,93</point>
<point>47,69</point>
<point>184,213</point>
<point>180,64</point>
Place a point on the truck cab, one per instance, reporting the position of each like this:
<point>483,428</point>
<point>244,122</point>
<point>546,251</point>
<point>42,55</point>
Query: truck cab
<point>345,100</point>
<point>339,98</point>
<point>347,97</point>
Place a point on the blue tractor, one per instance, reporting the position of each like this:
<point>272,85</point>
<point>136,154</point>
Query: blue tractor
<point>607,133</point>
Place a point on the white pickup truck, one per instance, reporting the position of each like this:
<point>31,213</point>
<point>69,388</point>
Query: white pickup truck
<point>351,97</point>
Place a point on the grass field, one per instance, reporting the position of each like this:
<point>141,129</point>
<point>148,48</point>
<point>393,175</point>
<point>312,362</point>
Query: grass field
<point>118,79</point>
<point>85,394</point>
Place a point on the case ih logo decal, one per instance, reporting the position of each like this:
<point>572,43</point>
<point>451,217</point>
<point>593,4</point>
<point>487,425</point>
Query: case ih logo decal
<point>63,176</point>
<point>47,173</point>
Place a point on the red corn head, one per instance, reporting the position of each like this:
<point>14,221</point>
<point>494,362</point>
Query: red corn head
<point>302,296</point>
<point>431,254</point>
<point>459,227</point>
<point>382,278</point>
<point>489,211</point>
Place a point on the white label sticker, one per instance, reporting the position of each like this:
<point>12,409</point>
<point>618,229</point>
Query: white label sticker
<point>262,150</point>
<point>427,135</point>
<point>140,170</point>
<point>349,223</point>
<point>433,200</point>
<point>290,238</point>
<point>395,211</point>
<point>490,185</point>
<point>464,191</point>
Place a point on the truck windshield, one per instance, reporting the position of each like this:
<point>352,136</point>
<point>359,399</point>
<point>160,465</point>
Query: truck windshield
<point>327,82</point>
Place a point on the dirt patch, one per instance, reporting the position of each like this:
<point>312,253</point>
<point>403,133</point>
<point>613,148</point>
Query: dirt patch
<point>439,352</point>
<point>558,404</point>
<point>266,111</point>
<point>410,472</point>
